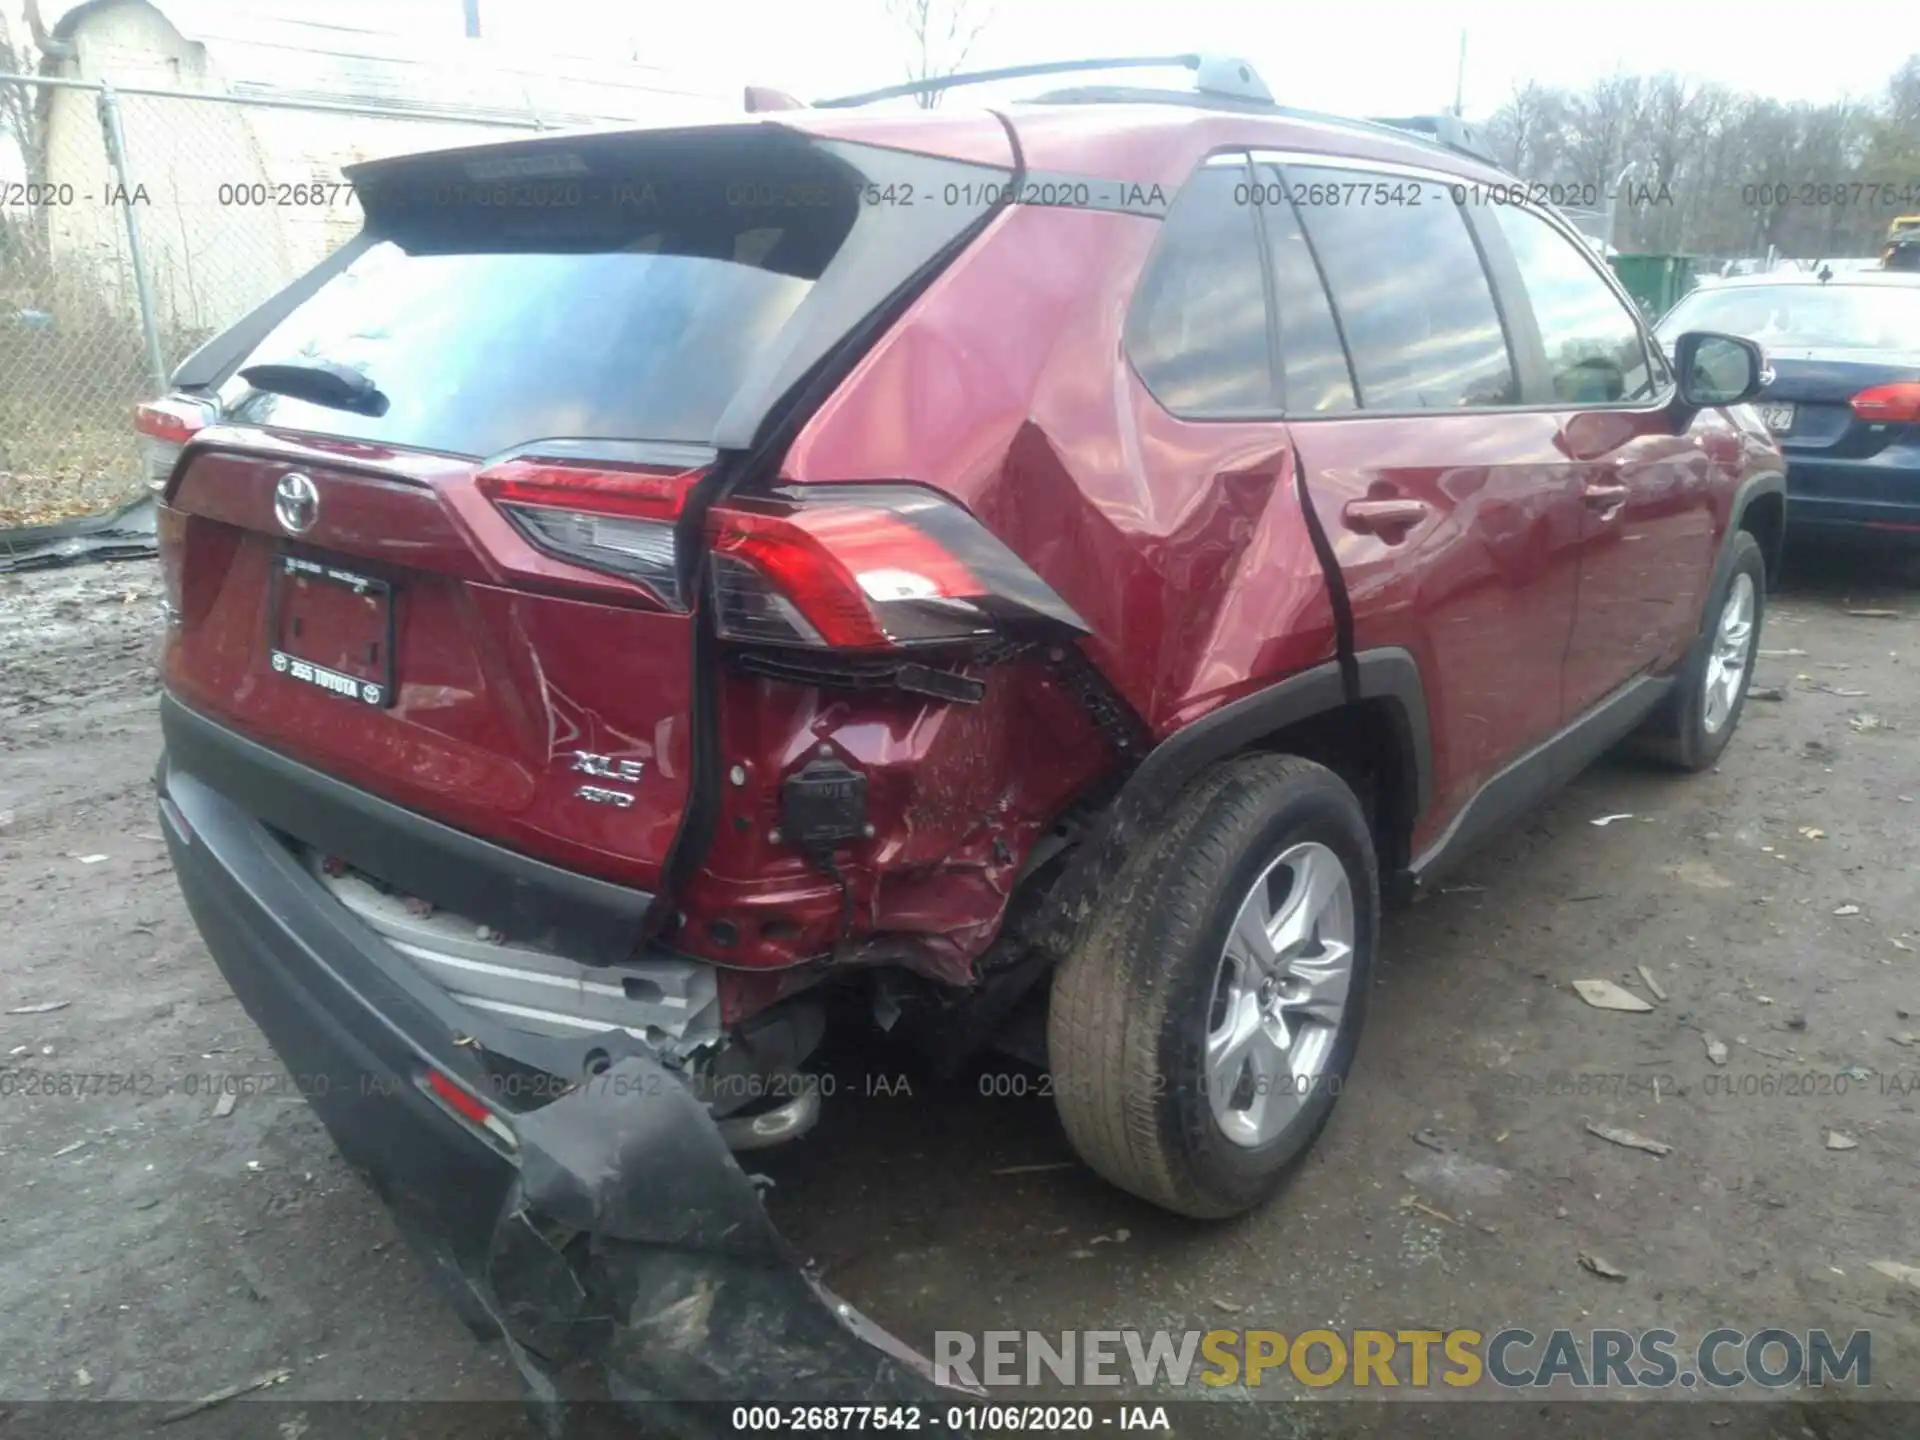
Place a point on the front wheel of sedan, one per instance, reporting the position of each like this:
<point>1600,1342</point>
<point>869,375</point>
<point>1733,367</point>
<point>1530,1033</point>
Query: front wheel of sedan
<point>1202,1029</point>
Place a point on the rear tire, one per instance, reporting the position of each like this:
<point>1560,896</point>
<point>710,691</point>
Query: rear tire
<point>1695,725</point>
<point>1191,1065</point>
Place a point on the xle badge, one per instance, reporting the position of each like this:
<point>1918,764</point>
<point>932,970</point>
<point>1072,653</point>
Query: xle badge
<point>606,767</point>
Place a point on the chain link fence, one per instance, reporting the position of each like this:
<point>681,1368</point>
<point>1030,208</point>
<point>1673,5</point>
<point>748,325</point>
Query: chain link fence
<point>147,221</point>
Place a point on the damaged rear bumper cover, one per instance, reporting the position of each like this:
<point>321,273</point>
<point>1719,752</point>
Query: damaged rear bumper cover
<point>615,1226</point>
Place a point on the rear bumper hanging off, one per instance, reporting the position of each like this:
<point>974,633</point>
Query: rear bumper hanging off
<point>616,1225</point>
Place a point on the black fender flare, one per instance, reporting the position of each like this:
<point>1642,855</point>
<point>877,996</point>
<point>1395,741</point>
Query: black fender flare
<point>1756,485</point>
<point>1388,673</point>
<point>1752,488</point>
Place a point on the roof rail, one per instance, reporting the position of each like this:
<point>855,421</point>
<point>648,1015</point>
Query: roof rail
<point>1142,95</point>
<point>1214,75</point>
<point>1448,130</point>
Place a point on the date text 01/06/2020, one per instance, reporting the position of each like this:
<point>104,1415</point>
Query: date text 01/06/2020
<point>29,1084</point>
<point>1025,1419</point>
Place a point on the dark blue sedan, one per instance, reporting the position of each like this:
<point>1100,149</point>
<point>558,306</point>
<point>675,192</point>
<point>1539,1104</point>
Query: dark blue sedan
<point>1844,401</point>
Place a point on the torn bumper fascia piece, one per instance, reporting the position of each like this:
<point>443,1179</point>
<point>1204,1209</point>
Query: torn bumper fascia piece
<point>616,1227</point>
<point>128,533</point>
<point>674,1277</point>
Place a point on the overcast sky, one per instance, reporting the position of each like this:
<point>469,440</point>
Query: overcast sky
<point>1357,56</point>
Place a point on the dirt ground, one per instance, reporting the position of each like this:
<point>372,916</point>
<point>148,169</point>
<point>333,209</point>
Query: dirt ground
<point>156,1251</point>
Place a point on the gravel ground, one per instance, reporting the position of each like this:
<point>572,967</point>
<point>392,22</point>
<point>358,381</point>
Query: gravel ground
<point>157,1251</point>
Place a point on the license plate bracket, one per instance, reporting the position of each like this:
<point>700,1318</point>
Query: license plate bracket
<point>332,629</point>
<point>1778,418</point>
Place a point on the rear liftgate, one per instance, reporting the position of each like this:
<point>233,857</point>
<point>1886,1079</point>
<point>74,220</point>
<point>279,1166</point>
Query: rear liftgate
<point>633,1237</point>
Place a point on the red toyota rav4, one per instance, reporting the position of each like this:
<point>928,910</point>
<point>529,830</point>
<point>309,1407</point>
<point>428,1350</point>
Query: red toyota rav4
<point>656,593</point>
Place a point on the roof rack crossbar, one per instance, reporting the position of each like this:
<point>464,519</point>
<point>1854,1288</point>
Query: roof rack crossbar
<point>1447,130</point>
<point>1213,75</point>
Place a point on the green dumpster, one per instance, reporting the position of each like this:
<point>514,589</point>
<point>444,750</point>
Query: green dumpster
<point>1656,282</point>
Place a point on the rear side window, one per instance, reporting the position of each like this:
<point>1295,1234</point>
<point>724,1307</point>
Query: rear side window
<point>1313,362</point>
<point>1595,355</point>
<point>614,287</point>
<point>1409,288</point>
<point>1197,332</point>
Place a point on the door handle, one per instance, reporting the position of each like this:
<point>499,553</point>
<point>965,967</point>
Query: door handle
<point>1605,498</point>
<point>1389,519</point>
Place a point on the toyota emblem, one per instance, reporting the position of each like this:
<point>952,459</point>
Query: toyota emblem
<point>296,503</point>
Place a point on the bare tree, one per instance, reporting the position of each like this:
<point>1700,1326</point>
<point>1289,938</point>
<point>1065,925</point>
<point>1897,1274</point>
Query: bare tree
<point>1605,121</point>
<point>1671,125</point>
<point>1891,154</point>
<point>1720,173</point>
<point>1903,98</point>
<point>19,116</point>
<point>1519,127</point>
<point>20,124</point>
<point>940,33</point>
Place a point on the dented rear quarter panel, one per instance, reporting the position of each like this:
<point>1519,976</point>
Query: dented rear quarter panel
<point>1182,544</point>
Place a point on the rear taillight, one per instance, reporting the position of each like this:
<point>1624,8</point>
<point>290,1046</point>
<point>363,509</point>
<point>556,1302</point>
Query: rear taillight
<point>868,567</point>
<point>171,535</point>
<point>165,427</point>
<point>614,519</point>
<point>1883,404</point>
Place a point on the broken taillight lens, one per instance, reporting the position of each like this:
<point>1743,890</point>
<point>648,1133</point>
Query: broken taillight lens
<point>165,427</point>
<point>868,567</point>
<point>619,520</point>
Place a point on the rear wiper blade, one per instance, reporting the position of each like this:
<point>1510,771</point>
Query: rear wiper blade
<point>322,382</point>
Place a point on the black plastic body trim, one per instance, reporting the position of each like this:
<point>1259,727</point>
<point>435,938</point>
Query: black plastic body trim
<point>1761,482</point>
<point>1523,783</point>
<point>1385,674</point>
<point>535,903</point>
<point>1533,776</point>
<point>1394,675</point>
<point>1753,487</point>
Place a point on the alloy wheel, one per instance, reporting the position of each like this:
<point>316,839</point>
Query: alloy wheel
<point>1280,994</point>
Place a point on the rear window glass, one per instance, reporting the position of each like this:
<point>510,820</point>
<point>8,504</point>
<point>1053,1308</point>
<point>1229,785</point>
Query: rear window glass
<point>1813,317</point>
<point>490,312</point>
<point>478,353</point>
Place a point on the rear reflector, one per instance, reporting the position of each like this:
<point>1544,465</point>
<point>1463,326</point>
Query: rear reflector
<point>1884,404</point>
<point>616,520</point>
<point>165,427</point>
<point>869,567</point>
<point>457,1099</point>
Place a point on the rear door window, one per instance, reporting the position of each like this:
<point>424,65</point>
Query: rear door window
<point>1408,285</point>
<point>618,287</point>
<point>1313,362</point>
